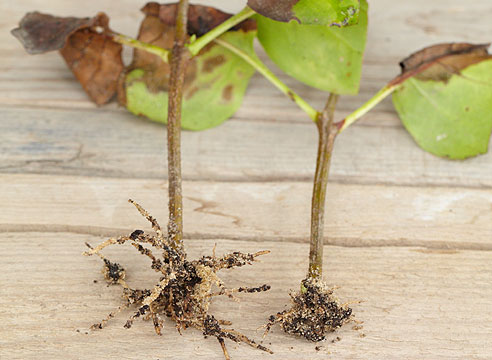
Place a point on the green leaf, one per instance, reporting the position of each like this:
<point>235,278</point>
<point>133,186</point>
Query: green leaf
<point>309,12</point>
<point>210,99</point>
<point>323,57</point>
<point>215,81</point>
<point>446,103</point>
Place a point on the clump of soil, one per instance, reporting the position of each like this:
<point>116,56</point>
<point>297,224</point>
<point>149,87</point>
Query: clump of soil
<point>314,312</point>
<point>185,287</point>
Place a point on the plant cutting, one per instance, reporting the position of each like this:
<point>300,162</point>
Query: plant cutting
<point>185,287</point>
<point>325,57</point>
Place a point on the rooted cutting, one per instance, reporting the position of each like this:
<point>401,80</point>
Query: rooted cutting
<point>185,287</point>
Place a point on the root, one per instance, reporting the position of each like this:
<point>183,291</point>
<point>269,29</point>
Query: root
<point>315,311</point>
<point>184,289</point>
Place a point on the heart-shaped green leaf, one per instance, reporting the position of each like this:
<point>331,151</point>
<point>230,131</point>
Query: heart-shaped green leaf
<point>445,100</point>
<point>309,12</point>
<point>215,81</point>
<point>324,57</point>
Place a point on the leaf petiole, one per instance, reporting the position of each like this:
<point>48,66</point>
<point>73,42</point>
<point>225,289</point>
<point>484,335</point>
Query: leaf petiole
<point>137,44</point>
<point>195,46</point>
<point>364,109</point>
<point>263,70</point>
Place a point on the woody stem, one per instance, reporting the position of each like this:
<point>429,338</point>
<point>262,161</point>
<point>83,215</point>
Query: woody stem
<point>179,59</point>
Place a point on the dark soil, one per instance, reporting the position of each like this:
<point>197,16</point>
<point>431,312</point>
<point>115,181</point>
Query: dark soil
<point>184,289</point>
<point>314,312</point>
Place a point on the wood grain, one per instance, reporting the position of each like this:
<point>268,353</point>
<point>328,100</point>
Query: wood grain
<point>415,303</point>
<point>109,144</point>
<point>356,216</point>
<point>407,233</point>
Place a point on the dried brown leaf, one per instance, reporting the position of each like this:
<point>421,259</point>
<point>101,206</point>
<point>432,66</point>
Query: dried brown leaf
<point>276,10</point>
<point>309,12</point>
<point>440,62</point>
<point>84,43</point>
<point>40,33</point>
<point>201,19</point>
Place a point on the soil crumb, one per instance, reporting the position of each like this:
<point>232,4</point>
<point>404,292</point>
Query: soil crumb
<point>184,288</point>
<point>315,311</point>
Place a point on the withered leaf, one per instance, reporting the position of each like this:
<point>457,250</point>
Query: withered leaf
<point>309,12</point>
<point>85,45</point>
<point>275,10</point>
<point>444,99</point>
<point>40,33</point>
<point>441,61</point>
<point>215,80</point>
<point>201,19</point>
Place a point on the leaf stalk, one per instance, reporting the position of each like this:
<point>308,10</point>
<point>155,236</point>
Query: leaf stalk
<point>137,44</point>
<point>364,109</point>
<point>263,70</point>
<point>210,36</point>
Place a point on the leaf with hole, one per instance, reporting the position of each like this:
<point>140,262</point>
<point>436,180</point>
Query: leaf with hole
<point>323,57</point>
<point>215,80</point>
<point>445,99</point>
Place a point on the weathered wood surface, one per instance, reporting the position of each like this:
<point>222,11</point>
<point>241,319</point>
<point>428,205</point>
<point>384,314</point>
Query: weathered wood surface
<point>407,233</point>
<point>415,303</point>
<point>372,215</point>
<point>125,146</point>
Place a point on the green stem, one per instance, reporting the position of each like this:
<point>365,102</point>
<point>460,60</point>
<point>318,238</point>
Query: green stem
<point>262,69</point>
<point>137,44</point>
<point>376,99</point>
<point>179,59</point>
<point>327,134</point>
<point>204,40</point>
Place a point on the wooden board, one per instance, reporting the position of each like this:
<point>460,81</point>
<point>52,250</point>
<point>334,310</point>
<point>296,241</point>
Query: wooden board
<point>356,216</point>
<point>407,234</point>
<point>117,144</point>
<point>415,303</point>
